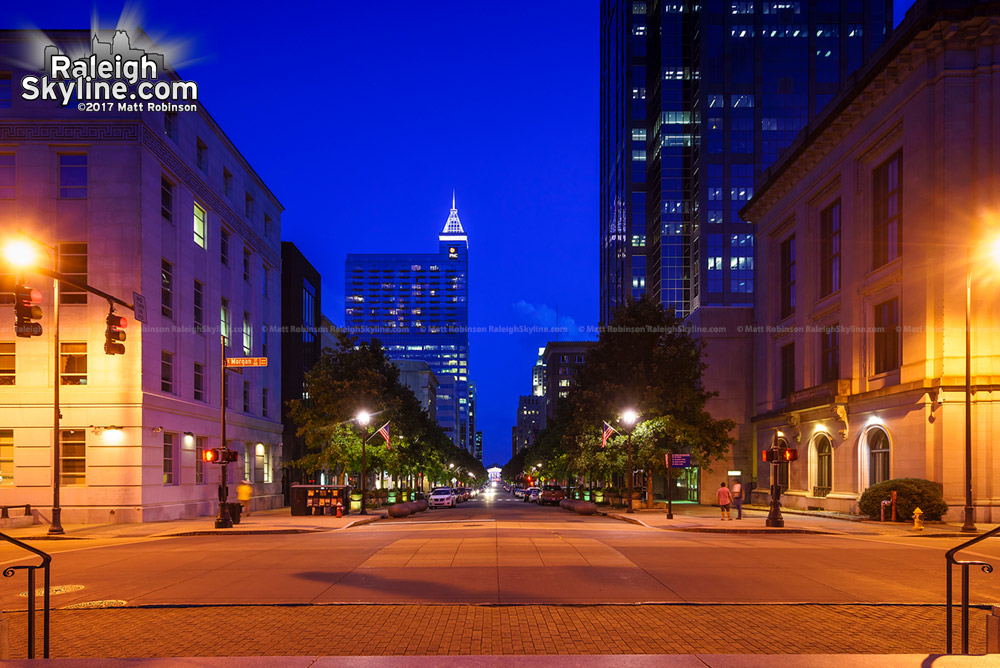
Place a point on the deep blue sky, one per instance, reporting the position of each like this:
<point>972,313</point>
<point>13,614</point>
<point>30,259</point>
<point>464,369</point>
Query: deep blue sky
<point>362,118</point>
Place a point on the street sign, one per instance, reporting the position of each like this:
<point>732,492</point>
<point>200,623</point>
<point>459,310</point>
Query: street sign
<point>139,306</point>
<point>678,461</point>
<point>246,361</point>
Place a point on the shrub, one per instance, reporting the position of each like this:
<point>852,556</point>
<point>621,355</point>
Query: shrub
<point>910,493</point>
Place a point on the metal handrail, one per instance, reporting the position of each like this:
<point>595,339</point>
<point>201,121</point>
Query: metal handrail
<point>949,557</point>
<point>10,570</point>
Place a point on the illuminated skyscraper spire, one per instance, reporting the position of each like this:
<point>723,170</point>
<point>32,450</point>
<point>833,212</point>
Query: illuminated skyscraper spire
<point>453,230</point>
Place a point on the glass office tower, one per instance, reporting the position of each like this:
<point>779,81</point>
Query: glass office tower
<point>417,306</point>
<point>697,100</point>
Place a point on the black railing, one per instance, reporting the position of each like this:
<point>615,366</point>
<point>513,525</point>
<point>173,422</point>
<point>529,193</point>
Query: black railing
<point>950,559</point>
<point>10,570</point>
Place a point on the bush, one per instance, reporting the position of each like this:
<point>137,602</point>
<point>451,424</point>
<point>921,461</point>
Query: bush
<point>910,493</point>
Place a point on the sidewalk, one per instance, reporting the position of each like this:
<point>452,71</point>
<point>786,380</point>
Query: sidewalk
<point>277,520</point>
<point>706,519</point>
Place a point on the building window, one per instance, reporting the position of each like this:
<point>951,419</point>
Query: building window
<point>224,321</point>
<point>265,279</point>
<point>788,277</point>
<point>248,458</point>
<point>72,176</point>
<point>199,459</point>
<point>72,363</point>
<point>246,397</point>
<point>829,351</point>
<point>247,335</point>
<point>166,289</point>
<point>887,336</point>
<point>199,306</point>
<point>308,312</point>
<point>73,457</point>
<point>199,225</point>
<point>73,263</point>
<point>169,457</point>
<point>201,155</point>
<point>167,199</point>
<point>824,466</point>
<point>829,250</point>
<point>263,340</point>
<point>887,199</point>
<point>227,182</point>
<point>224,247</point>
<point>268,464</point>
<point>268,226</point>
<point>170,124</point>
<point>248,207</point>
<point>7,363</point>
<point>6,90</point>
<point>263,402</point>
<point>7,176</point>
<point>199,382</point>
<point>787,369</point>
<point>167,371</point>
<point>878,456</point>
<point>6,457</point>
<point>246,265</point>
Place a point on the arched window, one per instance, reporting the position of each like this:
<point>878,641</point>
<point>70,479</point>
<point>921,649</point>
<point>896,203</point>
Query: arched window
<point>878,456</point>
<point>824,466</point>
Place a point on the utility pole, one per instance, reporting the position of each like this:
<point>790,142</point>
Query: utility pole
<point>224,520</point>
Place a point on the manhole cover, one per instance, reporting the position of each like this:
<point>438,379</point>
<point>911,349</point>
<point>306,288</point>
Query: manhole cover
<point>60,589</point>
<point>111,603</point>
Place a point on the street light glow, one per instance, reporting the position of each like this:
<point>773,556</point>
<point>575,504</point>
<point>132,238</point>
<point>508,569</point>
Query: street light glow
<point>113,435</point>
<point>363,418</point>
<point>629,417</point>
<point>19,253</point>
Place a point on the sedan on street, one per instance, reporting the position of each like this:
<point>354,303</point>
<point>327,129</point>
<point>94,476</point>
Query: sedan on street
<point>441,497</point>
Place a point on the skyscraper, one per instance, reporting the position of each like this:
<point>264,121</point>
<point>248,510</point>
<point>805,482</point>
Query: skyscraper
<point>417,306</point>
<point>696,102</point>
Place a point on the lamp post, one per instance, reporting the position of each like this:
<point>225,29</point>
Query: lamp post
<point>969,525</point>
<point>774,518</point>
<point>628,419</point>
<point>20,253</point>
<point>363,418</point>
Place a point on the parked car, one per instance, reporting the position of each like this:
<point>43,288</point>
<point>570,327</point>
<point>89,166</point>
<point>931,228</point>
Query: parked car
<point>441,497</point>
<point>551,494</point>
<point>531,494</point>
<point>518,492</point>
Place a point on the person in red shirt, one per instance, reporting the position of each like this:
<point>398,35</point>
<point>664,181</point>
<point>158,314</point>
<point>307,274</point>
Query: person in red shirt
<point>725,499</point>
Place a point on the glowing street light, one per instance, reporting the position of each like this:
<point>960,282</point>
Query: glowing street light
<point>20,253</point>
<point>628,419</point>
<point>363,418</point>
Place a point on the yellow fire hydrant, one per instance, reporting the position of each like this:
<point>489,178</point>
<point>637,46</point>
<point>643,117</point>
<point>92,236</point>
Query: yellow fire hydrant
<point>918,519</point>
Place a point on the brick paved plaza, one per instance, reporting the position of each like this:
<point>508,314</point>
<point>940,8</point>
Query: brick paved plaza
<point>473,630</point>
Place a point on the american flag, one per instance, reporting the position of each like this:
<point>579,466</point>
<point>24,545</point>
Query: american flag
<point>608,430</point>
<point>384,431</point>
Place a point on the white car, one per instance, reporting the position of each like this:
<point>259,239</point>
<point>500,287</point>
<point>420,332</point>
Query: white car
<point>441,497</point>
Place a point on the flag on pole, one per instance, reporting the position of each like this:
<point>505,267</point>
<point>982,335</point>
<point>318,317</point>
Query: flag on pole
<point>608,430</point>
<point>384,431</point>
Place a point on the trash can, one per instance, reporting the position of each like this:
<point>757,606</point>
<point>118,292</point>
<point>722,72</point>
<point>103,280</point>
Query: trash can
<point>235,510</point>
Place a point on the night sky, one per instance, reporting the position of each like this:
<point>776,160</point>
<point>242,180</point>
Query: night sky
<point>363,117</point>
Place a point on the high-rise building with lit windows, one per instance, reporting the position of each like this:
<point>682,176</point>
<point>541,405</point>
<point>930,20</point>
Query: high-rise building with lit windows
<point>417,306</point>
<point>697,101</point>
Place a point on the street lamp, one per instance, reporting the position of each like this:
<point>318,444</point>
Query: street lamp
<point>628,419</point>
<point>23,254</point>
<point>363,418</point>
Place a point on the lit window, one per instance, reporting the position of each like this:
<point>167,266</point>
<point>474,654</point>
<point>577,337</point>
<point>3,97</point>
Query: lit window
<point>7,363</point>
<point>199,226</point>
<point>224,321</point>
<point>199,459</point>
<point>169,457</point>
<point>247,335</point>
<point>6,457</point>
<point>72,363</point>
<point>73,457</point>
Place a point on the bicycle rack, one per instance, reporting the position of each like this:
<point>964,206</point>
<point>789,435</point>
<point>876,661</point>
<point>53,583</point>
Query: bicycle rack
<point>10,570</point>
<point>951,561</point>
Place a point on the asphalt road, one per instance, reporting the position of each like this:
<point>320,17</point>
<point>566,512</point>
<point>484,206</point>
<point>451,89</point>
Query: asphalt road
<point>501,550</point>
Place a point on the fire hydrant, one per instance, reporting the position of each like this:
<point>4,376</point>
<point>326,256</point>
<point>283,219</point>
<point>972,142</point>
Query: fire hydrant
<point>918,520</point>
<point>340,509</point>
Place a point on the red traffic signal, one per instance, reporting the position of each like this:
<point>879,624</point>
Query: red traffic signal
<point>115,334</point>
<point>789,454</point>
<point>211,456</point>
<point>26,312</point>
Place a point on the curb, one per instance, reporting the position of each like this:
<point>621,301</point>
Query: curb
<point>366,520</point>
<point>625,518</point>
<point>705,529</point>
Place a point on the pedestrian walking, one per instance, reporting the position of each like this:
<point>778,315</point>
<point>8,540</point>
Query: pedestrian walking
<point>737,491</point>
<point>725,498</point>
<point>244,493</point>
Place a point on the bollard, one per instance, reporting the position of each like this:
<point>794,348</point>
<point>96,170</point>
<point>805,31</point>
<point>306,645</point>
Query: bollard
<point>918,519</point>
<point>882,509</point>
<point>993,631</point>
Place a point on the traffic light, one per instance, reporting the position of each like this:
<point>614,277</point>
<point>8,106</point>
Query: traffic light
<point>115,334</point>
<point>230,456</point>
<point>211,456</point>
<point>779,455</point>
<point>26,311</point>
